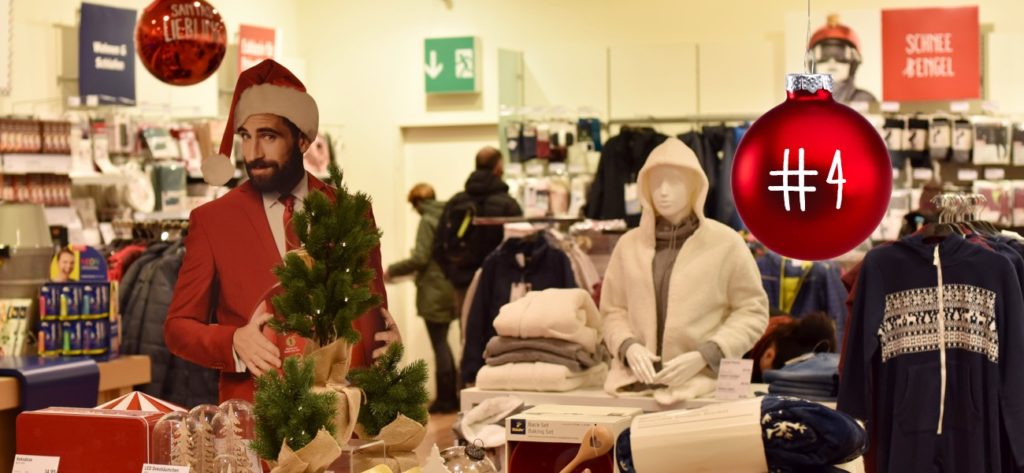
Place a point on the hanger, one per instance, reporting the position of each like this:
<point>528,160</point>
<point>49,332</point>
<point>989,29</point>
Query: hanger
<point>596,441</point>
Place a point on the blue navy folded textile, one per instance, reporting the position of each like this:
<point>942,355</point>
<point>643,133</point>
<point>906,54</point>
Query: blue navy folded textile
<point>830,387</point>
<point>821,368</point>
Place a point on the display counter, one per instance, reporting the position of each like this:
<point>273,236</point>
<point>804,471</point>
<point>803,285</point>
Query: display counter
<point>117,377</point>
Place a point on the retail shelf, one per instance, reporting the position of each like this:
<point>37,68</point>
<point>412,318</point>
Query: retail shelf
<point>64,216</point>
<point>119,373</point>
<point>29,163</point>
<point>455,122</point>
<point>9,393</point>
<point>163,215</point>
<point>97,179</point>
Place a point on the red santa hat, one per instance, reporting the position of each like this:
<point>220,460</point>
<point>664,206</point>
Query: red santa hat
<point>833,29</point>
<point>267,87</point>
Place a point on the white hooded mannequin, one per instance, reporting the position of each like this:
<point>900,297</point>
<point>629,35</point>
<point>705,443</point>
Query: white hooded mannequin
<point>705,303</point>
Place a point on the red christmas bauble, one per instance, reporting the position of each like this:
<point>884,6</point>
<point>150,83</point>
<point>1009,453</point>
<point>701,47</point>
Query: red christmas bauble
<point>812,177</point>
<point>181,42</point>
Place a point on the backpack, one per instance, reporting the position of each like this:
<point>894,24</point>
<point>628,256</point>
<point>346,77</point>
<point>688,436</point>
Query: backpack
<point>456,245</point>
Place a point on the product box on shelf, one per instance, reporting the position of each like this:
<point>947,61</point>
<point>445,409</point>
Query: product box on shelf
<point>88,440</point>
<point>547,437</point>
<point>79,318</point>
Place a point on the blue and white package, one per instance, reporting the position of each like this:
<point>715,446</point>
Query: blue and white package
<point>72,332</point>
<point>50,341</point>
<point>95,301</point>
<point>94,337</point>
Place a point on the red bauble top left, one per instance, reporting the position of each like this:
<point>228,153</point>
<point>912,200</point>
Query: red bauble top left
<point>181,42</point>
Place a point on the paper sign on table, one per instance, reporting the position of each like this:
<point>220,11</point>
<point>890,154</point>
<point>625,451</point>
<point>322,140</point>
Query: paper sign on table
<point>734,379</point>
<point>35,464</point>
<point>995,174</point>
<point>151,468</point>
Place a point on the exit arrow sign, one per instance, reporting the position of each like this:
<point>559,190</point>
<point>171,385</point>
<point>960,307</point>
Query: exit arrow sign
<point>451,65</point>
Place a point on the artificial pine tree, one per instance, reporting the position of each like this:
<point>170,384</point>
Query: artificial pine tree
<point>181,447</point>
<point>288,410</point>
<point>325,293</point>
<point>391,391</point>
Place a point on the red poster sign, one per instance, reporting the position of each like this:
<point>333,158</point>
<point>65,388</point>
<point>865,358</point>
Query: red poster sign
<point>931,54</point>
<point>255,43</point>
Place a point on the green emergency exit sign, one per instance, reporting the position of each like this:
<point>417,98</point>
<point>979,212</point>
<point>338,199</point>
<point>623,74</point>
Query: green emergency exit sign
<point>452,65</point>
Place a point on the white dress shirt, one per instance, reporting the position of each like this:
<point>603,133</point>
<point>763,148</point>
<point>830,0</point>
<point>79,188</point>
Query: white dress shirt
<point>275,217</point>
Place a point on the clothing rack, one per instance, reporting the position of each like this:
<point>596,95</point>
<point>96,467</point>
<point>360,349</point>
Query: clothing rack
<point>683,119</point>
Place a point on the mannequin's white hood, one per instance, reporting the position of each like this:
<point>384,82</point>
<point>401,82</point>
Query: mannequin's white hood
<point>675,154</point>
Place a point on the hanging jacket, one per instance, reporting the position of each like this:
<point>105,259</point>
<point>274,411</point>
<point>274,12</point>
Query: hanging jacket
<point>435,299</point>
<point>933,363</point>
<point>715,293</point>
<point>171,378</point>
<point>621,160</point>
<point>544,267</point>
<point>820,289</point>
<point>128,280</point>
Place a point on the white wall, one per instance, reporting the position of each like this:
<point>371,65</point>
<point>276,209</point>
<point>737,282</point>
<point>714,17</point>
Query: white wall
<point>365,68</point>
<point>37,55</point>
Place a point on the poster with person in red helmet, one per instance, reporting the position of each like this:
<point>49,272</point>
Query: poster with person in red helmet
<point>845,44</point>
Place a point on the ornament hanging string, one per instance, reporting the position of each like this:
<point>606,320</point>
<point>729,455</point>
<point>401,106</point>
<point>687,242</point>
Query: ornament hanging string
<point>810,65</point>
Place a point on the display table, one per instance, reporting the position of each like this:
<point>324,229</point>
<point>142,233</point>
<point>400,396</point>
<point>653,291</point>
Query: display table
<point>594,396</point>
<point>116,379</point>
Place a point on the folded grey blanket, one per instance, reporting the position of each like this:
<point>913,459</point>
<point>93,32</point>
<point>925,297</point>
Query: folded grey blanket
<point>500,345</point>
<point>526,356</point>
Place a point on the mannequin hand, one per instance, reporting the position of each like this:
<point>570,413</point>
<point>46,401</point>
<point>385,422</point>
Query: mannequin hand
<point>388,336</point>
<point>680,369</point>
<point>641,361</point>
<point>252,347</point>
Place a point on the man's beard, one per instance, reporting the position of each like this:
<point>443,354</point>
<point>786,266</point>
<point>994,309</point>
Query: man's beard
<point>282,179</point>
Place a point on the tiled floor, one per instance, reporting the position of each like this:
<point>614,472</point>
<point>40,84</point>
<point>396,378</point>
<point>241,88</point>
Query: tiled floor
<point>439,431</point>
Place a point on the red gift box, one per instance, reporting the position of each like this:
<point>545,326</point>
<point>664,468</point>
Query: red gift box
<point>88,440</point>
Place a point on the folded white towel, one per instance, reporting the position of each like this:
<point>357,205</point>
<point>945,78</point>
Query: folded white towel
<point>564,314</point>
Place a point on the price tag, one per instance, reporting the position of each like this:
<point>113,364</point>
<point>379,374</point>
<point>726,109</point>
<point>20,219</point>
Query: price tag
<point>556,168</point>
<point>995,174</point>
<point>734,379</point>
<point>959,107</point>
<point>35,464</point>
<point>151,468</point>
<point>967,175</point>
<point>923,174</point>
<point>92,100</point>
<point>577,168</point>
<point>534,169</point>
<point>890,107</point>
<point>514,169</point>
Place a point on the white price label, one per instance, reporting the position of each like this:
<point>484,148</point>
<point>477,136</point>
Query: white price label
<point>959,107</point>
<point>92,100</point>
<point>151,468</point>
<point>734,379</point>
<point>556,168</point>
<point>534,169</point>
<point>890,107</point>
<point>995,174</point>
<point>967,175</point>
<point>923,174</point>
<point>35,464</point>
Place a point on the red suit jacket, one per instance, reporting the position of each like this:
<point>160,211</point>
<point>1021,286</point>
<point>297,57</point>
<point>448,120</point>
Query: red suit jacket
<point>229,254</point>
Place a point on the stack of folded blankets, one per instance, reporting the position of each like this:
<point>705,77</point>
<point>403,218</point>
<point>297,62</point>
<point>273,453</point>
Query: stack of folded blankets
<point>547,341</point>
<point>814,377</point>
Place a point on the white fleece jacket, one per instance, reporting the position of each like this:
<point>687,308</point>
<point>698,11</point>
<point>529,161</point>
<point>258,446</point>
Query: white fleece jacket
<point>715,289</point>
<point>563,314</point>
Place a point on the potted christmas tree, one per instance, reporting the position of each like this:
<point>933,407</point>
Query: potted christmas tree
<point>324,288</point>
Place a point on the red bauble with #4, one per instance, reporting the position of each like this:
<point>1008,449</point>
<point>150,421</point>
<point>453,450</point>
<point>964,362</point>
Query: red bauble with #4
<point>812,177</point>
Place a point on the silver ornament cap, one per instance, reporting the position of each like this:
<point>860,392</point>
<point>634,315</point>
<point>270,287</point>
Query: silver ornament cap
<point>808,82</point>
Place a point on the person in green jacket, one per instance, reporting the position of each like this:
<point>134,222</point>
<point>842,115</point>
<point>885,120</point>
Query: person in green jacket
<point>435,300</point>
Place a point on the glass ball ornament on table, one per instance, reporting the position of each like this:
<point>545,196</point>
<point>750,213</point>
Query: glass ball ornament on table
<point>204,440</point>
<point>181,42</point>
<point>234,427</point>
<point>811,178</point>
<point>171,441</point>
<point>468,459</point>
